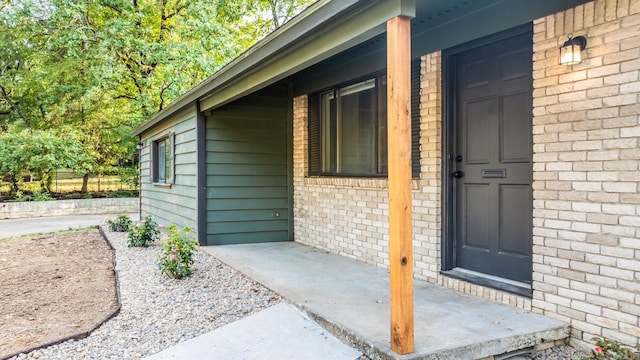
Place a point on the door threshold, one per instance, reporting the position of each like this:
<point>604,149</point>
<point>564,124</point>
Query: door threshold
<point>491,281</point>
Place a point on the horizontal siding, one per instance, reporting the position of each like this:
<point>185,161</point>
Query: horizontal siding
<point>245,147</point>
<point>246,226</point>
<point>245,158</point>
<point>247,183</point>
<point>247,237</point>
<point>247,204</point>
<point>239,181</point>
<point>246,169</point>
<point>222,134</point>
<point>176,204</point>
<point>246,215</point>
<point>247,192</point>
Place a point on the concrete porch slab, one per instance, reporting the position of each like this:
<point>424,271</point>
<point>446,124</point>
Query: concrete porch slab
<point>351,299</point>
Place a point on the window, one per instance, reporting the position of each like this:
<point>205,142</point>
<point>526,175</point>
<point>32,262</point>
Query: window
<point>353,129</point>
<point>162,160</point>
<point>347,128</point>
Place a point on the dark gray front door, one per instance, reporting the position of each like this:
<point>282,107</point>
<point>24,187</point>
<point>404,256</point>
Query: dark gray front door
<point>492,165</point>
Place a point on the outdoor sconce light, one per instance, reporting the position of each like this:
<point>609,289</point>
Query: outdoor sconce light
<point>570,50</point>
<point>139,145</point>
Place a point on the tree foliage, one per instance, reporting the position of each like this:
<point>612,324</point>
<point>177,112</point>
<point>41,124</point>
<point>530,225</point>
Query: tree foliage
<point>40,152</point>
<point>94,69</point>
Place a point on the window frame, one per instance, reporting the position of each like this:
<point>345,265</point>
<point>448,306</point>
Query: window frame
<point>168,140</point>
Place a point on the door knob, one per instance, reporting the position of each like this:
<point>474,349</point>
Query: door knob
<point>458,174</point>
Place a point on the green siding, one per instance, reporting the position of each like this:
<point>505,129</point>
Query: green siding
<point>247,171</point>
<point>248,237</point>
<point>176,204</point>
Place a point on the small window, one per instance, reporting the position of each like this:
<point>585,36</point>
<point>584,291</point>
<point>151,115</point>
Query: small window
<point>162,160</point>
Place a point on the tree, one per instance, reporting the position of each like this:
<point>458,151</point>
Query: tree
<point>101,67</point>
<point>40,152</point>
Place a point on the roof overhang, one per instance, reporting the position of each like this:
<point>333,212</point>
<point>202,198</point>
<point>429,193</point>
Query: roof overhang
<point>323,30</point>
<point>329,27</point>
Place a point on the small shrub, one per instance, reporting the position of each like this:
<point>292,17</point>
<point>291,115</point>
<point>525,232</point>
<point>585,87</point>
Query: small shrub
<point>121,224</point>
<point>609,350</point>
<point>143,233</point>
<point>36,195</point>
<point>176,257</point>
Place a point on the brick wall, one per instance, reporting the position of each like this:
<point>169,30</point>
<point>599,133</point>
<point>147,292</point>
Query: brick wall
<point>586,162</point>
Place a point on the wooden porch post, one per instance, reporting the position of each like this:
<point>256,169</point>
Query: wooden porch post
<point>400,211</point>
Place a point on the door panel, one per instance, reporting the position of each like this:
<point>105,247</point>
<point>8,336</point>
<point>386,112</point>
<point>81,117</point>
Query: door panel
<point>477,216</point>
<point>515,138</point>
<point>491,192</point>
<point>515,219</point>
<point>477,122</point>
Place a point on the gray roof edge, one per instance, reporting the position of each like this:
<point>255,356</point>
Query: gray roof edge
<point>280,41</point>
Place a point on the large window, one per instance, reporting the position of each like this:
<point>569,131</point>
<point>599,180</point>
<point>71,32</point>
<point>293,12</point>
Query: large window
<point>347,128</point>
<point>162,160</point>
<point>353,129</point>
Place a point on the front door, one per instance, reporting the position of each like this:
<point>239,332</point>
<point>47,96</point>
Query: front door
<point>491,159</point>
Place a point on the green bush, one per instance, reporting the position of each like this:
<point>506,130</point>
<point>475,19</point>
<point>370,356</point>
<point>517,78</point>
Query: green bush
<point>122,223</point>
<point>176,257</point>
<point>143,234</point>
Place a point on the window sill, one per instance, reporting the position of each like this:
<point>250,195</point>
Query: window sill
<point>353,182</point>
<point>162,185</point>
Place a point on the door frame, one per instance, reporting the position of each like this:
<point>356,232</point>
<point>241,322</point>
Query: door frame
<point>448,139</point>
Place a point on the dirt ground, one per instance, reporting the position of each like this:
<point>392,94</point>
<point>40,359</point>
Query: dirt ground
<point>53,286</point>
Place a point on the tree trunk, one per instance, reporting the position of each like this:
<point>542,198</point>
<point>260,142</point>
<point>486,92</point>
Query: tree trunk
<point>14,183</point>
<point>85,183</point>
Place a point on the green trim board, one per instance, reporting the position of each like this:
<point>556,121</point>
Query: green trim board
<point>201,175</point>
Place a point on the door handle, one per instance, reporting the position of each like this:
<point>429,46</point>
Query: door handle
<point>458,174</point>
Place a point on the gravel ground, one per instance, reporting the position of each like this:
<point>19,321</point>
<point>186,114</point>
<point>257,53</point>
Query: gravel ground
<point>560,353</point>
<point>158,312</point>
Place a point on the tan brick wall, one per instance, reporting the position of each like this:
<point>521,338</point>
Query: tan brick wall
<point>586,162</point>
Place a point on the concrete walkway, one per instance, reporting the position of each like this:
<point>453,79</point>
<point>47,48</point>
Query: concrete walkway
<point>279,332</point>
<point>39,225</point>
<point>352,300</point>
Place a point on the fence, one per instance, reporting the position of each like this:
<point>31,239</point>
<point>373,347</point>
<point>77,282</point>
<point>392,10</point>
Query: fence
<point>68,181</point>
<point>65,181</point>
